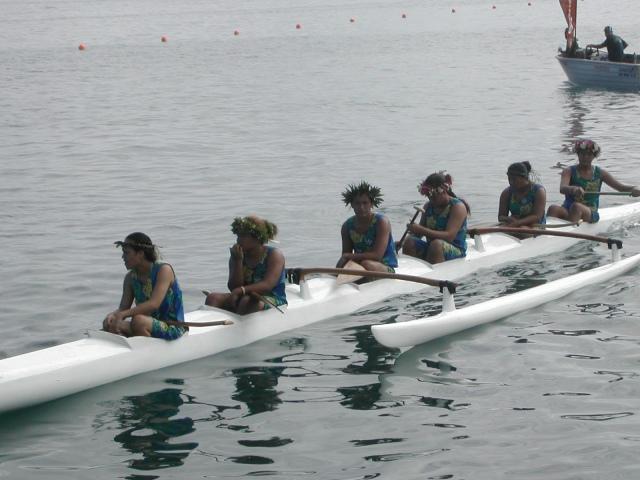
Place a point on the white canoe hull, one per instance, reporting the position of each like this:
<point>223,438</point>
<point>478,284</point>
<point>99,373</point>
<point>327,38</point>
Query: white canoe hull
<point>415,332</point>
<point>601,73</point>
<point>51,373</point>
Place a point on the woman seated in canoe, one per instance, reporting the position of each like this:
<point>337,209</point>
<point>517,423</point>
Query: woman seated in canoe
<point>581,185</point>
<point>443,223</point>
<point>366,237</point>
<point>522,203</point>
<point>154,288</point>
<point>256,270</point>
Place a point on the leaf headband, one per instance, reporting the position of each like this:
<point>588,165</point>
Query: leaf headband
<point>363,188</point>
<point>263,231</point>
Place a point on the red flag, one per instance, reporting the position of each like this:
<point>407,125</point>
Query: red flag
<point>569,7</point>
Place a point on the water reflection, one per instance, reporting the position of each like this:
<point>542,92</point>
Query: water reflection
<point>377,360</point>
<point>256,387</point>
<point>150,426</point>
<point>577,111</point>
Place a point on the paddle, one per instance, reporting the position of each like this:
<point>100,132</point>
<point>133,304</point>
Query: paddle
<point>259,297</point>
<point>199,324</point>
<point>559,225</point>
<point>534,231</point>
<point>296,275</point>
<point>626,194</point>
<point>400,242</point>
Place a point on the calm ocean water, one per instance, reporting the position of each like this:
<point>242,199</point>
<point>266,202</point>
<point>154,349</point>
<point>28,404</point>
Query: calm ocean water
<point>177,138</point>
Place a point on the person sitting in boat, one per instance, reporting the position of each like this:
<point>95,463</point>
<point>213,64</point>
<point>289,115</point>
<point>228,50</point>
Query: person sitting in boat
<point>581,185</point>
<point>615,45</point>
<point>366,237</point>
<point>154,288</point>
<point>443,223</point>
<point>256,270</point>
<point>522,203</point>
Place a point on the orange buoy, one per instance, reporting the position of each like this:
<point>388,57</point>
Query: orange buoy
<point>82,46</point>
<point>163,39</point>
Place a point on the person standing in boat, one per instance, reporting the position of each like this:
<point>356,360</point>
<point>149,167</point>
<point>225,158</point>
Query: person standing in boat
<point>256,270</point>
<point>581,185</point>
<point>366,237</point>
<point>522,203</point>
<point>154,288</point>
<point>615,45</point>
<point>443,223</point>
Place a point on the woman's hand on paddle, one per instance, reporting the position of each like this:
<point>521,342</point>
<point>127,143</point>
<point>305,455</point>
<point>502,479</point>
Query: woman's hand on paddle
<point>577,192</point>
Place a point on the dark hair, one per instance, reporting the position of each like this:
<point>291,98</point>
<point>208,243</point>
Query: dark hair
<point>363,188</point>
<point>441,180</point>
<point>139,241</point>
<point>519,169</point>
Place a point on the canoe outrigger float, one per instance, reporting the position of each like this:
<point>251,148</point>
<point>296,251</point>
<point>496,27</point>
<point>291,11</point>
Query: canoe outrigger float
<point>452,320</point>
<point>102,357</point>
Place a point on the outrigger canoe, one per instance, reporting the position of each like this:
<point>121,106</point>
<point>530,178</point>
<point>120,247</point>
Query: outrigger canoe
<point>102,358</point>
<point>452,320</point>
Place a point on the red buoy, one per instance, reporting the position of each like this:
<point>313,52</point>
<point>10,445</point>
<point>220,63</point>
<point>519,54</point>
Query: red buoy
<point>82,46</point>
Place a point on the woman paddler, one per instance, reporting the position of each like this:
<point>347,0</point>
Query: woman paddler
<point>581,185</point>
<point>366,237</point>
<point>154,288</point>
<point>522,203</point>
<point>443,223</point>
<point>256,270</point>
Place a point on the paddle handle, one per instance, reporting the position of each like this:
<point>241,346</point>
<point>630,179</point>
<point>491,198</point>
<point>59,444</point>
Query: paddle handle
<point>625,194</point>
<point>255,294</point>
<point>406,232</point>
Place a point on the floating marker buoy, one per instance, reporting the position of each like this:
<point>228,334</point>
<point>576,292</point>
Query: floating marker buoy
<point>529,3</point>
<point>163,39</point>
<point>453,10</point>
<point>81,46</point>
<point>352,20</point>
<point>298,26</point>
<point>493,7</point>
<point>404,15</point>
<point>236,33</point>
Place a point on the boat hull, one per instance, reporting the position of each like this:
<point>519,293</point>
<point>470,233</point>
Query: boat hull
<point>415,332</point>
<point>601,73</point>
<point>101,358</point>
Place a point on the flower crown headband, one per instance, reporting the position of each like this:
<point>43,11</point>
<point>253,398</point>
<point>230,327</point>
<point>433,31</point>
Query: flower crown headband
<point>426,189</point>
<point>587,145</point>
